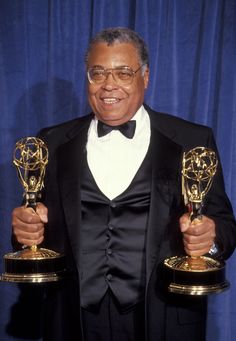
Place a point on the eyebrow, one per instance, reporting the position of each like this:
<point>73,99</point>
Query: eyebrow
<point>117,67</point>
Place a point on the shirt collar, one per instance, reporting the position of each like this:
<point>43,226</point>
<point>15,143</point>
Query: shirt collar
<point>141,117</point>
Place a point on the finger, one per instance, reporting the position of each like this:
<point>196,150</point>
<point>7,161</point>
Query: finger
<point>198,233</point>
<point>33,237</point>
<point>205,244</point>
<point>30,242</point>
<point>25,215</point>
<point>197,249</point>
<point>198,252</point>
<point>195,234</point>
<point>197,244</point>
<point>200,227</point>
<point>26,227</point>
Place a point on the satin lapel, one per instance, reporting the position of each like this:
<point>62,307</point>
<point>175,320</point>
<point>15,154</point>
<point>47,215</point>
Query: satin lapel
<point>166,158</point>
<point>70,162</point>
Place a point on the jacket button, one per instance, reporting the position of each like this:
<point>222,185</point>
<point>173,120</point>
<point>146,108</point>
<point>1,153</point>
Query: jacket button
<point>112,204</point>
<point>109,277</point>
<point>110,227</point>
<point>109,251</point>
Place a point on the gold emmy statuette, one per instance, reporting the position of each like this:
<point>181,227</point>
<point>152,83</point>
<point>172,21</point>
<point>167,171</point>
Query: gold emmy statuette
<point>32,264</point>
<point>201,275</point>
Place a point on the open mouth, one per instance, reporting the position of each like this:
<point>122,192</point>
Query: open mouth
<point>110,100</point>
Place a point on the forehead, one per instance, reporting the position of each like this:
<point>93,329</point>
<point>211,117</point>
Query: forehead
<point>113,55</point>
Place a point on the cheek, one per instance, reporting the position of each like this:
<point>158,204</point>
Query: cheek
<point>91,90</point>
<point>92,93</point>
<point>136,94</point>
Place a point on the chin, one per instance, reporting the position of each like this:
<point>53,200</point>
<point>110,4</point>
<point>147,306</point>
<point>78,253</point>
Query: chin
<point>110,117</point>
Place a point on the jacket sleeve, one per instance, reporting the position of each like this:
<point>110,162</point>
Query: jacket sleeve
<point>218,207</point>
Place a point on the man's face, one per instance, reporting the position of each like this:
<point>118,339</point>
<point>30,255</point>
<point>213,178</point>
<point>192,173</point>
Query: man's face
<point>112,103</point>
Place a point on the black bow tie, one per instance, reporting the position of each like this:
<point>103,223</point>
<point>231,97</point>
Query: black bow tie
<point>127,129</point>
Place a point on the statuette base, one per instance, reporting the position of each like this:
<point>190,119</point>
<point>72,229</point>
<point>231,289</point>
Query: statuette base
<point>33,265</point>
<point>195,275</point>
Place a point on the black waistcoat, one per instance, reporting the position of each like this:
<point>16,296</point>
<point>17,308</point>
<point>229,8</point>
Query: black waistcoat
<point>113,238</point>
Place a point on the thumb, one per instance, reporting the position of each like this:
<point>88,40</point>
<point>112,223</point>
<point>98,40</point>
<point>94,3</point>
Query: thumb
<point>184,223</point>
<point>42,212</point>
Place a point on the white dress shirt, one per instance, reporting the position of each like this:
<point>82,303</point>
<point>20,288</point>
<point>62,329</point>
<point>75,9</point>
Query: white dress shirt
<point>114,159</point>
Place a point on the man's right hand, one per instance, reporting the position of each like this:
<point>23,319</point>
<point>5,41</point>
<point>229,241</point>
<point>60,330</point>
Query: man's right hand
<point>28,225</point>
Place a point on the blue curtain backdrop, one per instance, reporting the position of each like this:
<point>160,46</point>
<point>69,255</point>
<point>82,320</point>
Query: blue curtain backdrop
<point>42,82</point>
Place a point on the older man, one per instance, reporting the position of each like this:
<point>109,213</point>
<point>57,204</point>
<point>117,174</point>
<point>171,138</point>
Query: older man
<point>113,204</point>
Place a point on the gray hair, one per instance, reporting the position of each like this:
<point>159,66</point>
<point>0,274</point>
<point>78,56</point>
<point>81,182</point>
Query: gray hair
<point>121,35</point>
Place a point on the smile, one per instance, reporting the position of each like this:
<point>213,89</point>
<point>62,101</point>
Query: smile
<point>110,100</point>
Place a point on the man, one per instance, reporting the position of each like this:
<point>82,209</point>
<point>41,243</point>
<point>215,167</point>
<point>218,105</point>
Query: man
<point>113,204</point>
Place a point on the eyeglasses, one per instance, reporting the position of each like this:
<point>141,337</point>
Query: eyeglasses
<point>122,75</point>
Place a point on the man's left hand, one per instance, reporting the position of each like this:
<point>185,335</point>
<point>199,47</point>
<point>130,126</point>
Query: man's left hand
<point>198,235</point>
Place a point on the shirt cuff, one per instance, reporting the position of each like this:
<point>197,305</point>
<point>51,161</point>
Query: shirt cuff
<point>213,250</point>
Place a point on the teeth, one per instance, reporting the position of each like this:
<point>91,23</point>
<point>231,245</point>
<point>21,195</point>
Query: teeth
<point>110,100</point>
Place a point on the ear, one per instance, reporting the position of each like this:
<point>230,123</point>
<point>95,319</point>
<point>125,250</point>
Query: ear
<point>146,77</point>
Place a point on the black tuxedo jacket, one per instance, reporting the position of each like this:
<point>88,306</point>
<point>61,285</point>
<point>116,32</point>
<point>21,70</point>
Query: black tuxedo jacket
<point>168,317</point>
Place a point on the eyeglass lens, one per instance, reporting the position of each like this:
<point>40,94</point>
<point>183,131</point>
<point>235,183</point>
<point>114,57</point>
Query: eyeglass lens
<point>122,75</point>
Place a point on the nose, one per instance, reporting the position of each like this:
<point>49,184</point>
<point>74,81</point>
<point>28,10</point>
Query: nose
<point>109,82</point>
